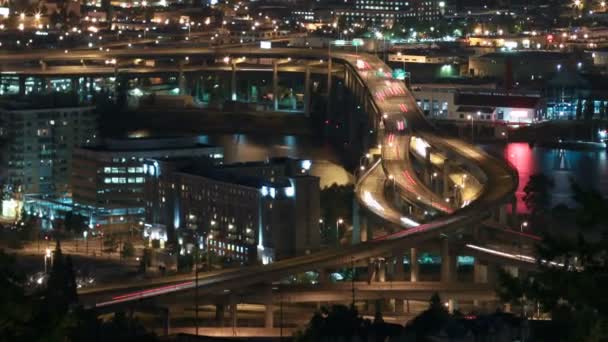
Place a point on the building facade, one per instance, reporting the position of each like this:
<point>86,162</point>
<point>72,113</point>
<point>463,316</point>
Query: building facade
<point>38,145</point>
<point>261,210</point>
<point>390,12</point>
<point>108,179</point>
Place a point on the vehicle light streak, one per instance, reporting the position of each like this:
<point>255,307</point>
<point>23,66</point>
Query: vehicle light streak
<point>371,201</point>
<point>408,221</point>
<point>146,293</point>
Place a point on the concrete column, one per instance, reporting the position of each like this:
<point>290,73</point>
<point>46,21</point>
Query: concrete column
<point>514,222</point>
<point>219,314</point>
<point>502,215</point>
<point>446,178</point>
<point>275,85</point>
<point>399,272</point>
<point>480,272</point>
<point>74,84</point>
<point>233,310</point>
<point>233,83</point>
<point>324,276</point>
<point>48,85</point>
<point>91,85</point>
<point>43,65</point>
<point>371,270</point>
<point>381,265</point>
<point>21,85</point>
<point>307,91</point>
<point>363,229</point>
<point>414,267</point>
<point>329,82</point>
<point>452,305</point>
<point>399,305</point>
<point>268,313</point>
<point>181,80</point>
<point>446,272</point>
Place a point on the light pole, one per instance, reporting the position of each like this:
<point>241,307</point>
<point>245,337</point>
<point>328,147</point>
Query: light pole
<point>47,256</point>
<point>86,241</point>
<point>470,117</point>
<point>196,257</point>
<point>338,223</point>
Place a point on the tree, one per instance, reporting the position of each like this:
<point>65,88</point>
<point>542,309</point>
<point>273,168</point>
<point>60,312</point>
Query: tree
<point>15,309</point>
<point>571,276</point>
<point>338,323</point>
<point>336,203</point>
<point>537,196</point>
<point>431,320</point>
<point>74,223</point>
<point>61,286</point>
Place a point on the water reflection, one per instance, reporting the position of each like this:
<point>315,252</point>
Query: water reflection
<point>588,168</point>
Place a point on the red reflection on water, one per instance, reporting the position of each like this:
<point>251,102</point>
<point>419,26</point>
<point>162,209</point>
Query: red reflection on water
<point>521,157</point>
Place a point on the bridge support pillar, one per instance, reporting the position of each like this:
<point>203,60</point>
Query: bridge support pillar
<point>446,178</point>
<point>268,312</point>
<point>21,85</point>
<point>371,271</point>
<point>233,82</point>
<point>414,267</point>
<point>364,233</point>
<point>233,310</point>
<point>399,305</point>
<point>446,263</point>
<point>181,82</point>
<point>452,305</point>
<point>219,314</point>
<point>307,90</point>
<point>275,85</point>
<point>324,276</point>
<point>502,215</point>
<point>74,84</point>
<point>381,266</point>
<point>399,271</point>
<point>514,222</point>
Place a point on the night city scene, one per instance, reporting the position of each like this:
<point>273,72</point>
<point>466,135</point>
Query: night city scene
<point>304,170</point>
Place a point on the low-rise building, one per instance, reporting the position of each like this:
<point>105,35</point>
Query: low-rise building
<point>479,104</point>
<point>246,211</point>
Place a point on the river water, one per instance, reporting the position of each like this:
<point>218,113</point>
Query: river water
<point>587,168</point>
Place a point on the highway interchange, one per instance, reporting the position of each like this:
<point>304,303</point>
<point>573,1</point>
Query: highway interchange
<point>402,120</point>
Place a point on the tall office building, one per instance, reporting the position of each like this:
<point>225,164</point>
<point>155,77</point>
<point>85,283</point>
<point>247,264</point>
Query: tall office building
<point>38,144</point>
<point>379,13</point>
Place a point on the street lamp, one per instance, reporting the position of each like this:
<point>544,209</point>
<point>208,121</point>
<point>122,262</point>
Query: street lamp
<point>85,234</point>
<point>47,256</point>
<point>338,223</point>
